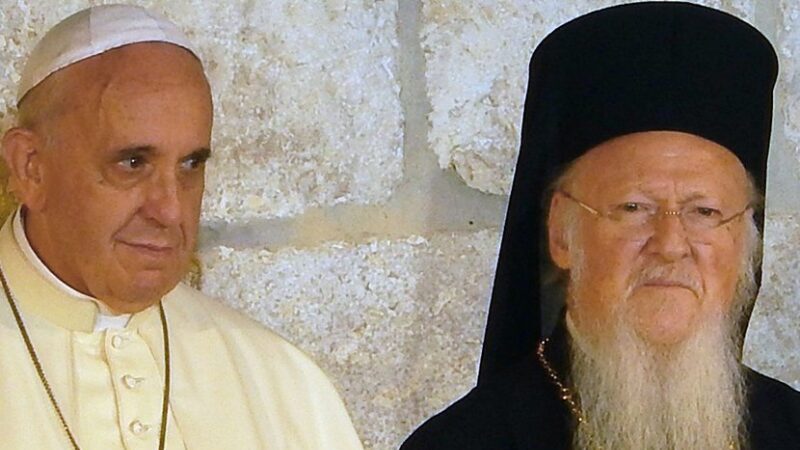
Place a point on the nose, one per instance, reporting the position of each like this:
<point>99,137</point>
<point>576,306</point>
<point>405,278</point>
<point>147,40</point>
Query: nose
<point>670,240</point>
<point>162,200</point>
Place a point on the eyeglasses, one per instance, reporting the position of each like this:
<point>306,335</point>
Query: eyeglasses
<point>641,216</point>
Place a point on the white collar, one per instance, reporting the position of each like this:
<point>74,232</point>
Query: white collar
<point>105,318</point>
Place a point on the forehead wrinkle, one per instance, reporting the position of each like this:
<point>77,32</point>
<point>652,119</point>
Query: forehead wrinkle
<point>679,190</point>
<point>91,96</point>
<point>122,80</point>
<point>74,85</point>
<point>141,67</point>
<point>656,163</point>
<point>62,105</point>
<point>88,114</point>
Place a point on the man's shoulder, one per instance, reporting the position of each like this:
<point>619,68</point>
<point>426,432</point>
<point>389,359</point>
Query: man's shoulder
<point>249,365</point>
<point>472,422</point>
<point>766,389</point>
<point>774,410</point>
<point>195,309</point>
<point>195,313</point>
<point>518,409</point>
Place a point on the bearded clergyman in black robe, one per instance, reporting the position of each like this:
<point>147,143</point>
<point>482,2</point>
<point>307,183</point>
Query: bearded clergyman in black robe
<point>638,185</point>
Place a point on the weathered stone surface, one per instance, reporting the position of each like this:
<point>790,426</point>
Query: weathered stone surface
<point>308,115</point>
<point>306,98</point>
<point>788,89</point>
<point>397,324</point>
<point>21,23</point>
<point>308,105</point>
<point>774,335</point>
<point>476,65</point>
<point>477,56</point>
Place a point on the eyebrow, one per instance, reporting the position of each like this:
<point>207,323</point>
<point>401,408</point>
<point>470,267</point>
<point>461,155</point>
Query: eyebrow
<point>135,150</point>
<point>201,154</point>
<point>692,196</point>
<point>699,196</point>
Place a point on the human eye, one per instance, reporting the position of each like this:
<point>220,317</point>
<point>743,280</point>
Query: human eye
<point>700,215</point>
<point>195,161</point>
<point>632,212</point>
<point>131,159</point>
<point>630,207</point>
<point>704,211</point>
<point>132,162</point>
<point>633,208</point>
<point>127,166</point>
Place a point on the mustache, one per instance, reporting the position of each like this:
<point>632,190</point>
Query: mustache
<point>667,275</point>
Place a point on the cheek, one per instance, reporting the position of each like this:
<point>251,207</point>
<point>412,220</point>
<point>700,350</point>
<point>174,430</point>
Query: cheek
<point>601,276</point>
<point>720,268</point>
<point>63,185</point>
<point>71,206</point>
<point>98,213</point>
<point>609,262</point>
<point>191,205</point>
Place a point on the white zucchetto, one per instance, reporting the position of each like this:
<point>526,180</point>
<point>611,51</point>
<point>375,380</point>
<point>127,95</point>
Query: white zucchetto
<point>91,32</point>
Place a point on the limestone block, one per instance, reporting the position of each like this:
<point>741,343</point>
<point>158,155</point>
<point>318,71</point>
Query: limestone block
<point>477,56</point>
<point>396,323</point>
<point>307,102</point>
<point>306,98</point>
<point>21,24</point>
<point>774,336</point>
<point>788,89</point>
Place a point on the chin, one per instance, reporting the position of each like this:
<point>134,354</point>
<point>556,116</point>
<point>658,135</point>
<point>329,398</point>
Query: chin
<point>662,338</point>
<point>664,331</point>
<point>148,287</point>
<point>664,319</point>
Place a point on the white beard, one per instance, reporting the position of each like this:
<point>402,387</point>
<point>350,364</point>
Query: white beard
<point>635,396</point>
<point>688,396</point>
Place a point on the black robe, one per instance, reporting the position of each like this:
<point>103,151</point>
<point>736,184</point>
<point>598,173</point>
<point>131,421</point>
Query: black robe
<point>521,410</point>
<point>644,66</point>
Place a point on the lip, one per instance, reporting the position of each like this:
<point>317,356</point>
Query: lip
<point>666,283</point>
<point>153,248</point>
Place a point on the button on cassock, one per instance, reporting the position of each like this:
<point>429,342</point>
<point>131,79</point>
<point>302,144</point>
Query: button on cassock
<point>131,381</point>
<point>118,341</point>
<point>138,428</point>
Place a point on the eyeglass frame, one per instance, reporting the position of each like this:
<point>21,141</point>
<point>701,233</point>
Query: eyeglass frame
<point>668,212</point>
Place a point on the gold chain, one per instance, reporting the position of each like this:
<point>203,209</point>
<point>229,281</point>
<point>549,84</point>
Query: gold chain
<point>566,395</point>
<point>40,371</point>
<point>564,392</point>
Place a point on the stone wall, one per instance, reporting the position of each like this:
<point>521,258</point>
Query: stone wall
<point>363,152</point>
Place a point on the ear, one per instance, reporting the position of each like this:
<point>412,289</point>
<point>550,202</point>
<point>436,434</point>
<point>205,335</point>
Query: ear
<point>22,152</point>
<point>557,232</point>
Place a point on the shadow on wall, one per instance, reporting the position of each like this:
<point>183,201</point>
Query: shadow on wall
<point>7,201</point>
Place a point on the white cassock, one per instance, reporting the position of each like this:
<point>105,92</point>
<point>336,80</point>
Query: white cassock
<point>235,384</point>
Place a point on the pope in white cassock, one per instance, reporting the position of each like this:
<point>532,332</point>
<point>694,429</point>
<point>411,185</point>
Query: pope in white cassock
<point>102,346</point>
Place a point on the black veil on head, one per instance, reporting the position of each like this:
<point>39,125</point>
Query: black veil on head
<point>625,69</point>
